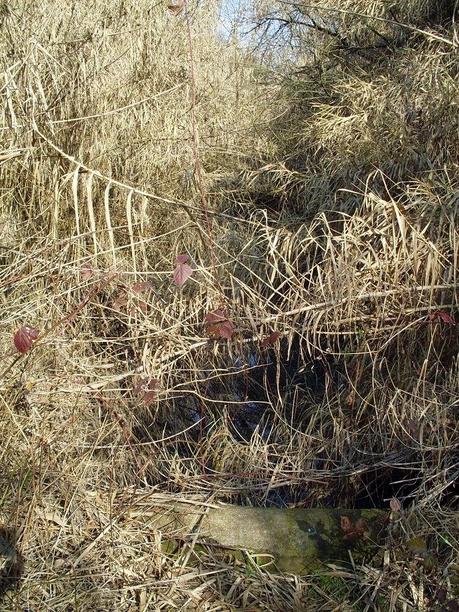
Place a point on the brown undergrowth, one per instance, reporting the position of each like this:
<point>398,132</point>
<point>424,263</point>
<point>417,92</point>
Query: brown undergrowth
<point>334,228</point>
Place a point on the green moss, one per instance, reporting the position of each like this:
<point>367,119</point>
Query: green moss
<point>295,541</point>
<point>333,586</point>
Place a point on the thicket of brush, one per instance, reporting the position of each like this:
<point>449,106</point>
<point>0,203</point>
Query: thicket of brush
<point>331,241</point>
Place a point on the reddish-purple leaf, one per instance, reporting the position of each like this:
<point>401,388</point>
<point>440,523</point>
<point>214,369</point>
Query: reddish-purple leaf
<point>24,338</point>
<point>226,329</point>
<point>87,272</point>
<point>149,397</point>
<point>352,532</point>
<point>442,316</point>
<point>143,306</point>
<point>141,286</point>
<point>352,535</point>
<point>120,301</point>
<point>147,389</point>
<point>182,271</point>
<point>270,340</point>
<point>216,316</point>
<point>447,318</point>
<point>138,305</point>
<point>122,298</point>
<point>218,325</point>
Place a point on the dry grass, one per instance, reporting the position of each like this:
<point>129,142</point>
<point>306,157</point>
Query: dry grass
<point>355,403</point>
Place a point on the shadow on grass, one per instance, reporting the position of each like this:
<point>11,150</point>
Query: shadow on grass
<point>11,565</point>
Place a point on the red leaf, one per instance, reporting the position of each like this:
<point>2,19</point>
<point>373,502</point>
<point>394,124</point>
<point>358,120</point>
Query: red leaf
<point>443,316</point>
<point>346,524</point>
<point>270,340</point>
<point>352,532</point>
<point>141,286</point>
<point>181,259</point>
<point>120,301</point>
<point>147,389</point>
<point>218,325</point>
<point>86,272</point>
<point>24,338</point>
<point>143,306</point>
<point>182,271</point>
<point>353,535</point>
<point>138,305</point>
<point>226,330</point>
<point>149,398</point>
<point>216,316</point>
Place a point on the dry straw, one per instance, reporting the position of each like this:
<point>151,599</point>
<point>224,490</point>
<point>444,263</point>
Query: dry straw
<point>329,201</point>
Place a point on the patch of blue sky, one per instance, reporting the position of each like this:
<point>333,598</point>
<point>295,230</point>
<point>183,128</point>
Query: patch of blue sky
<point>233,16</point>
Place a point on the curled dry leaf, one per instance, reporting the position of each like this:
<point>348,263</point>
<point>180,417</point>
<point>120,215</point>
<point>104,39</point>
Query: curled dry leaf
<point>24,338</point>
<point>87,272</point>
<point>146,389</point>
<point>138,306</point>
<point>122,298</point>
<point>346,523</point>
<point>120,301</point>
<point>216,316</point>
<point>395,505</point>
<point>441,315</point>
<point>143,306</point>
<point>176,6</point>
<point>141,286</point>
<point>218,325</point>
<point>352,532</point>
<point>182,270</point>
<point>270,340</point>
<point>226,330</point>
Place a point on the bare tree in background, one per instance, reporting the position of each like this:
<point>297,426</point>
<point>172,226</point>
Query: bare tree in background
<point>355,26</point>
